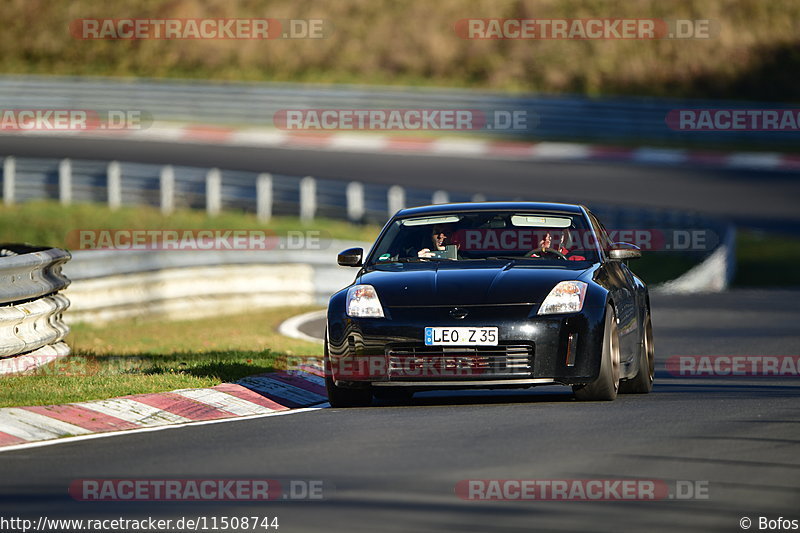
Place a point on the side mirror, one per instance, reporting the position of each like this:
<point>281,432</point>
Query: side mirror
<point>622,250</point>
<point>350,257</point>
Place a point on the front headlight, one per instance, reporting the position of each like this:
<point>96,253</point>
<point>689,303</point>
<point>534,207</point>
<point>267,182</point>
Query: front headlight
<point>362,302</point>
<point>566,297</point>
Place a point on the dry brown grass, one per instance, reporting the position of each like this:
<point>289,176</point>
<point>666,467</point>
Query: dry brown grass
<point>413,42</point>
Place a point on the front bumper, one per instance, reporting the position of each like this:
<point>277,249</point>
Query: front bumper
<point>532,350</point>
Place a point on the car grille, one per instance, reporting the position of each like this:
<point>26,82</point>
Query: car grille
<point>425,363</point>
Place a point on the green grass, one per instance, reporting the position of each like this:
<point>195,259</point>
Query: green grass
<point>47,223</point>
<point>59,389</point>
<point>136,357</point>
<point>659,267</point>
<point>253,332</point>
<point>762,261</point>
<point>766,260</point>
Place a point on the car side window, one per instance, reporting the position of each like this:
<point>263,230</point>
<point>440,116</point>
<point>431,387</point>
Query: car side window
<point>602,234</point>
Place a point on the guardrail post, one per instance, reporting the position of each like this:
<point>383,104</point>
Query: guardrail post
<point>355,201</point>
<point>114,185</point>
<point>65,182</point>
<point>308,198</point>
<point>264,197</point>
<point>9,175</point>
<point>396,198</point>
<point>213,192</point>
<point>440,197</point>
<point>167,183</point>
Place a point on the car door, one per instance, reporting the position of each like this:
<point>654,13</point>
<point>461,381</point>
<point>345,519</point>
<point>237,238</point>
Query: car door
<point>623,291</point>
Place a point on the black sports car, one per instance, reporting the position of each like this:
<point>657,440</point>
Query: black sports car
<point>489,295</point>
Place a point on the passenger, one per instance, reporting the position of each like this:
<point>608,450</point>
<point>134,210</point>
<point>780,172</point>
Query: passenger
<point>547,244</point>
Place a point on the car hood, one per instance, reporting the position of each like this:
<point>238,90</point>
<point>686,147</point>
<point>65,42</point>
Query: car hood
<point>437,284</point>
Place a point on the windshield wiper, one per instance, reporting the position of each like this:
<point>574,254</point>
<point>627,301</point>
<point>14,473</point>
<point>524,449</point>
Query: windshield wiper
<point>412,260</point>
<point>508,257</point>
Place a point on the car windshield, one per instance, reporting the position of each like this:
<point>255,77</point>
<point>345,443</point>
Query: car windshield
<point>488,235</point>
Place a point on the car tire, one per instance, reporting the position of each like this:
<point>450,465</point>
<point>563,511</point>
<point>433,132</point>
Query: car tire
<point>605,387</point>
<point>343,396</point>
<point>642,382</point>
<point>346,397</point>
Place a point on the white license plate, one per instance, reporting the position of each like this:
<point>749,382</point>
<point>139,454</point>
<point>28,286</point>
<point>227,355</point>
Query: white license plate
<point>461,336</point>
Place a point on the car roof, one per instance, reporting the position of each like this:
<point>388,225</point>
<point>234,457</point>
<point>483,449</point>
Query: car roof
<point>440,209</point>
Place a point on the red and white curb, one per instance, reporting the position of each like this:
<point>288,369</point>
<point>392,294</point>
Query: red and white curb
<point>439,146</point>
<point>250,397</point>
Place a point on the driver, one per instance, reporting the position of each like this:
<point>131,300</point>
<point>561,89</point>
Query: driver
<point>440,237</point>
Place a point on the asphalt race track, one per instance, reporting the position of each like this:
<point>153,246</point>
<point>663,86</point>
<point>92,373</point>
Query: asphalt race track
<point>395,467</point>
<point>760,199</point>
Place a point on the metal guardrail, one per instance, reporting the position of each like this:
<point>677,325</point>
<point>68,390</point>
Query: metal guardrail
<point>29,272</point>
<point>32,329</point>
<point>114,284</point>
<point>570,118</point>
<point>172,187</point>
<point>32,325</point>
